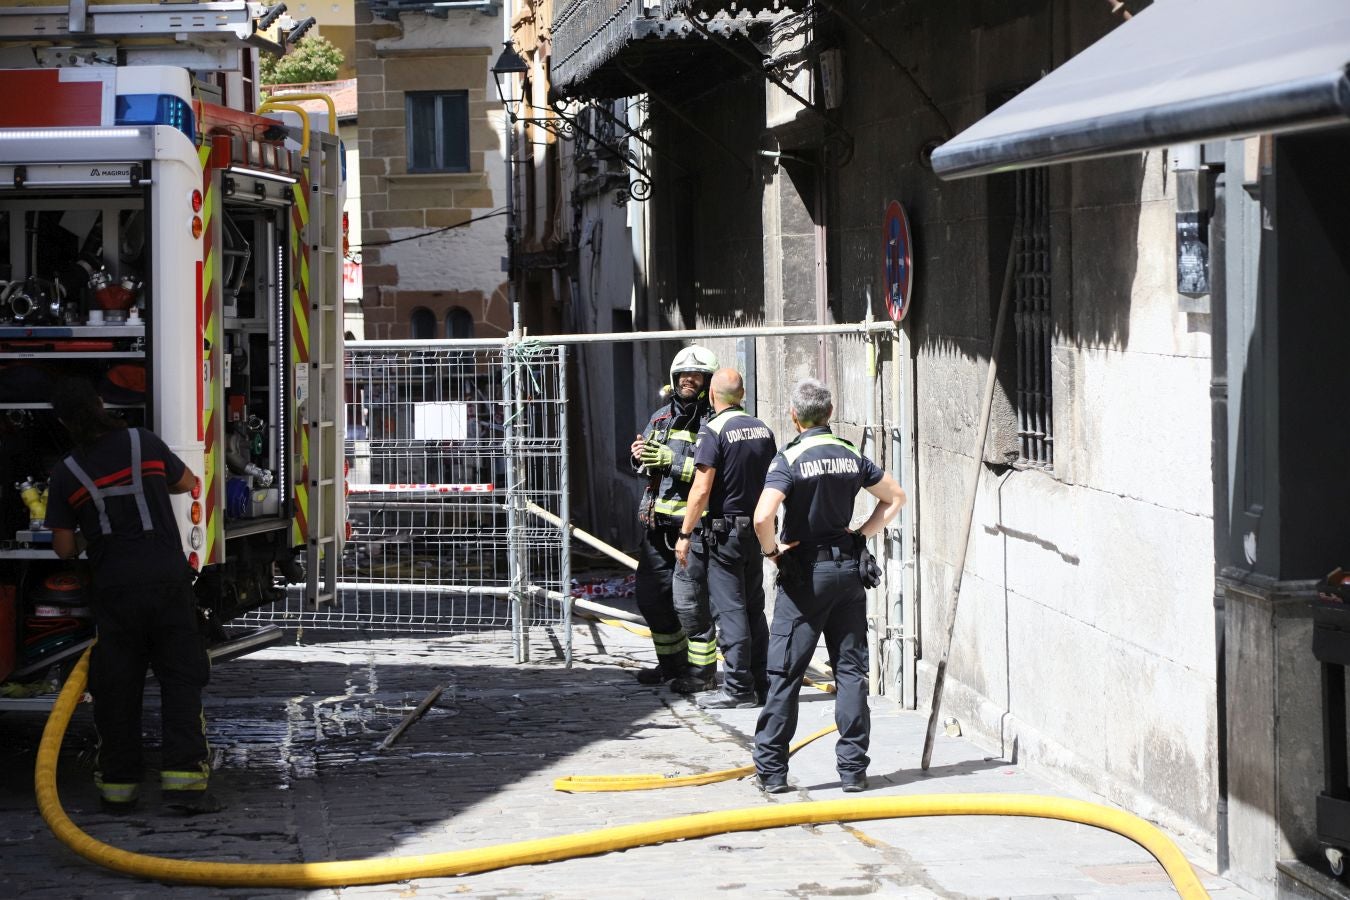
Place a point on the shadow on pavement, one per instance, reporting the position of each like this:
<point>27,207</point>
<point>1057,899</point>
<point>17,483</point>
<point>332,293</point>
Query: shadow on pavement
<point>295,733</point>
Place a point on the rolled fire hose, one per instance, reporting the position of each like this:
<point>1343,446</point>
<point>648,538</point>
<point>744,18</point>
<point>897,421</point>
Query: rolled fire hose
<point>586,843</point>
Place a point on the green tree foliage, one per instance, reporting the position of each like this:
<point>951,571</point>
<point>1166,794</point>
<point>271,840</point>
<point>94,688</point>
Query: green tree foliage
<point>313,59</point>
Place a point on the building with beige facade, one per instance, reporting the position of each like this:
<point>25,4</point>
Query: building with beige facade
<point>433,178</point>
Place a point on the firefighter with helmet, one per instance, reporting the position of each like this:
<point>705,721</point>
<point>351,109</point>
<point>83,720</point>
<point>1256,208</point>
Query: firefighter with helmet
<point>674,599</point>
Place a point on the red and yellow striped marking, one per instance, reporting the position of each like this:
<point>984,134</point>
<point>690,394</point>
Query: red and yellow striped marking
<point>208,375</point>
<point>300,352</point>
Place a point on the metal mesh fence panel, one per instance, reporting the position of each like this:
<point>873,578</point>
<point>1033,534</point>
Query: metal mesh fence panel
<point>448,447</point>
<point>458,456</point>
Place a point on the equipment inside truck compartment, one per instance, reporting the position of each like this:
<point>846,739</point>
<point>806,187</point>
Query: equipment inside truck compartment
<point>74,303</point>
<point>169,238</point>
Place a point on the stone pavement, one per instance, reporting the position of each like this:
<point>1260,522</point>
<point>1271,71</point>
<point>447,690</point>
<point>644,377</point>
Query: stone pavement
<point>296,726</point>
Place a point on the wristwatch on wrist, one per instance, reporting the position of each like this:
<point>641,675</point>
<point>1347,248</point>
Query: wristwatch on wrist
<point>684,536</point>
<point>770,554</point>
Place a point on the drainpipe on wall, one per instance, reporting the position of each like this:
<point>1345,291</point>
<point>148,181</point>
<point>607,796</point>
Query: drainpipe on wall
<point>508,129</point>
<point>1218,402</point>
<point>1198,191</point>
<point>822,272</point>
<point>637,230</point>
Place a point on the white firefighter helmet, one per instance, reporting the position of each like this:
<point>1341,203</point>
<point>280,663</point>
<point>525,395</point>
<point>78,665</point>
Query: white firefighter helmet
<point>693,359</point>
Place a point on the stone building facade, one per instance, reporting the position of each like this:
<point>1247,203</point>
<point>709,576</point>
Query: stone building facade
<point>430,269</point>
<point>1132,465</point>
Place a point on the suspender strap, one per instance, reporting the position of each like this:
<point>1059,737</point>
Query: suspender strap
<point>135,489</point>
<point>137,481</point>
<point>94,495</point>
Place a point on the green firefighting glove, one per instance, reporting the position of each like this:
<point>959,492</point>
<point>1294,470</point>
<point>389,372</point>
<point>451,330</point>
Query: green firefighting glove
<point>656,455</point>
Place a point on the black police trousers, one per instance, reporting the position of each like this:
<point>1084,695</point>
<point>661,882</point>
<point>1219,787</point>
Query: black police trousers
<point>674,601</point>
<point>736,593</point>
<point>148,625</point>
<point>828,599</point>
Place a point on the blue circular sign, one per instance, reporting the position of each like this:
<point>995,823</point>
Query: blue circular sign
<point>898,256</point>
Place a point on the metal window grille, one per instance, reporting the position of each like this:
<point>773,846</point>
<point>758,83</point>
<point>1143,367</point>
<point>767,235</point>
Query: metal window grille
<point>449,449</point>
<point>1031,311</point>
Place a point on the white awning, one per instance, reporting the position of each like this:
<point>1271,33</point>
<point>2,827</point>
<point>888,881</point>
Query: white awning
<point>1179,72</point>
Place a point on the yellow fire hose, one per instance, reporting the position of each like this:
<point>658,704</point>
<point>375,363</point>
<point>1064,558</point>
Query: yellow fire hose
<point>586,843</point>
<point>595,784</point>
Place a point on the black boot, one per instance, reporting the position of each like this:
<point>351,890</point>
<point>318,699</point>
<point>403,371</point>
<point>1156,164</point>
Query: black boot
<point>191,803</point>
<point>654,675</point>
<point>693,684</point>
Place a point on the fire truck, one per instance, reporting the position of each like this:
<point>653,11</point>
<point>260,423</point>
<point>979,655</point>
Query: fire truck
<point>177,241</point>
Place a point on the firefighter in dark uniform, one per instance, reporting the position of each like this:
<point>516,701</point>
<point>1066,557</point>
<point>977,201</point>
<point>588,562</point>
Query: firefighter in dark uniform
<point>815,478</point>
<point>675,601</point>
<point>114,489</point>
<point>732,455</point>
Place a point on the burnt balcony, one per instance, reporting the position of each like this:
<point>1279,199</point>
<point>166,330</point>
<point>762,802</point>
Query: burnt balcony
<point>610,48</point>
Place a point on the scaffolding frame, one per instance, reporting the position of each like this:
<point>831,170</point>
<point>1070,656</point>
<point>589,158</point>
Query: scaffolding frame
<point>528,583</point>
<point>447,446</point>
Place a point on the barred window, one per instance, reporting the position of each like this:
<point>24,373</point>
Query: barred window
<point>1031,312</point>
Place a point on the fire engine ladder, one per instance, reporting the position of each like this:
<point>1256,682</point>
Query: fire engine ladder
<point>323,235</point>
<point>173,24</point>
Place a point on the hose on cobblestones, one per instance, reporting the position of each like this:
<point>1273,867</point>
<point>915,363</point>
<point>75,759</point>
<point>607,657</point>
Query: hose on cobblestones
<point>595,784</point>
<point>570,846</point>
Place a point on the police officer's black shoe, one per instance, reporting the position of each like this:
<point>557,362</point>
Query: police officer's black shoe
<point>853,782</point>
<point>693,684</point>
<point>723,700</point>
<point>654,675</point>
<point>774,784</point>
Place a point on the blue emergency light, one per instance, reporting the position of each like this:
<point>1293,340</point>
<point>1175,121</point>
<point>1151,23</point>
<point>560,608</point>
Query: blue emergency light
<point>157,109</point>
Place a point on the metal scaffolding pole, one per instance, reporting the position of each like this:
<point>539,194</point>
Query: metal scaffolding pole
<point>511,426</point>
<point>564,509</point>
<point>688,334</point>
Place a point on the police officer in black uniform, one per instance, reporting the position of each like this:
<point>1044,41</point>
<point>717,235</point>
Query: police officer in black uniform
<point>815,478</point>
<point>114,489</point>
<point>674,601</point>
<point>732,455</point>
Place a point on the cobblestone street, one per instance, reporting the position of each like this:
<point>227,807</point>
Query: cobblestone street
<point>296,728</point>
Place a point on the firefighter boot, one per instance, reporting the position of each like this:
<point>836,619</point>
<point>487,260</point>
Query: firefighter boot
<point>693,684</point>
<point>654,675</point>
<point>668,667</point>
<point>192,803</point>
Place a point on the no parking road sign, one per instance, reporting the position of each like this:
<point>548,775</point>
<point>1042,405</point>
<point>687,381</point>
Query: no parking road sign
<point>898,254</point>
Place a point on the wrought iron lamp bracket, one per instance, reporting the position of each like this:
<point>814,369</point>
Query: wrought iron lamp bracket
<point>562,129</point>
<point>640,187</point>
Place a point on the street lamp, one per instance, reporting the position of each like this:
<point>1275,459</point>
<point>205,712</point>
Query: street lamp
<point>504,72</point>
<point>508,65</point>
<point>512,92</point>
